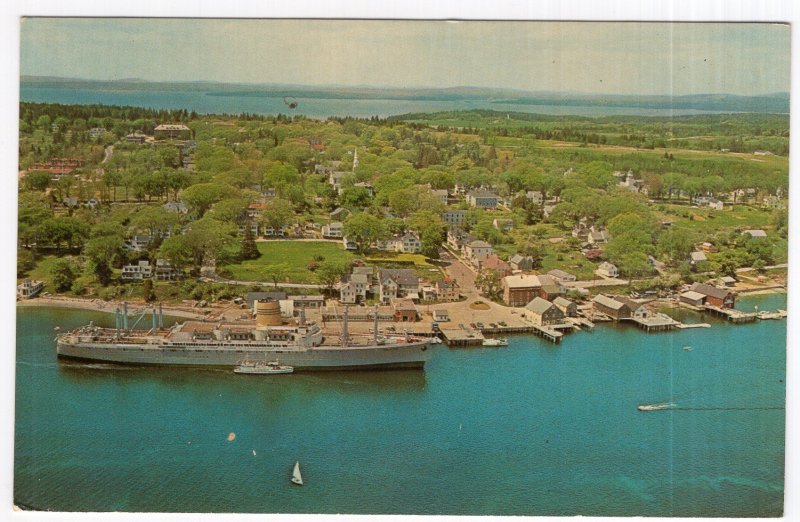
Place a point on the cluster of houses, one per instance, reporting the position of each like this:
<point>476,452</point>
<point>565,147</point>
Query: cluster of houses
<point>390,284</point>
<point>162,271</point>
<point>475,251</point>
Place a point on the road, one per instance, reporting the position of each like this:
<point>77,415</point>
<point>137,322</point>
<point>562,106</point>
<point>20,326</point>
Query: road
<point>465,276</point>
<point>217,279</point>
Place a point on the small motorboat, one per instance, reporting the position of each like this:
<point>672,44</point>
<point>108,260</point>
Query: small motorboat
<point>495,342</point>
<point>687,348</point>
<point>262,368</point>
<point>297,478</point>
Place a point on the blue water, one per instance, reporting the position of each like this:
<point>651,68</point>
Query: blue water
<point>531,429</point>
<point>311,107</point>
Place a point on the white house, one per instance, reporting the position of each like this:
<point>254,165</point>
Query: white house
<point>477,251</point>
<point>535,197</point>
<point>137,272</point>
<point>607,269</point>
<point>334,229</point>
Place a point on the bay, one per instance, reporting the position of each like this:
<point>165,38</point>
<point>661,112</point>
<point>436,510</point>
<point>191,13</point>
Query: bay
<point>318,108</point>
<point>531,429</point>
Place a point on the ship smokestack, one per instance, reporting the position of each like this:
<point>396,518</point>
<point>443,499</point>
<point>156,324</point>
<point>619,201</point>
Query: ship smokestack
<point>125,315</point>
<point>302,321</point>
<point>160,316</point>
<point>155,319</point>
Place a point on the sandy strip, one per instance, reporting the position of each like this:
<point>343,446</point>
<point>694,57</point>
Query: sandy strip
<point>107,306</point>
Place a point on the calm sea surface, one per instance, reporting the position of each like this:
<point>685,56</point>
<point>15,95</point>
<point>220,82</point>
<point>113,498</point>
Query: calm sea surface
<point>311,107</point>
<point>531,429</point>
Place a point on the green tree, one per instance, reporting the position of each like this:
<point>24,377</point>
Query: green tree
<point>37,180</point>
<point>249,249</point>
<point>26,261</point>
<point>148,292</point>
<point>364,229</point>
<point>331,272</point>
<point>62,275</point>
<point>200,197</point>
<point>176,251</point>
<point>675,245</point>
<point>489,282</point>
<point>277,214</point>
<point>103,253</point>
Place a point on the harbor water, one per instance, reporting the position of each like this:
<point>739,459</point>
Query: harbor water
<point>318,108</point>
<point>529,429</point>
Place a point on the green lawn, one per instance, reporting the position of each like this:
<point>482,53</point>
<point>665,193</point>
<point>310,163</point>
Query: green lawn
<point>295,255</point>
<point>710,221</point>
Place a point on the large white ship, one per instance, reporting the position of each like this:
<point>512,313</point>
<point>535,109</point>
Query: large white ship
<point>302,346</point>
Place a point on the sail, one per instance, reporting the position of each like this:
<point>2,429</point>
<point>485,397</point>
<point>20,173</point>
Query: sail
<point>296,477</point>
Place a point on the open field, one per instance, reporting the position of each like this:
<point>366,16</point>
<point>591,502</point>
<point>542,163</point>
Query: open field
<point>292,257</point>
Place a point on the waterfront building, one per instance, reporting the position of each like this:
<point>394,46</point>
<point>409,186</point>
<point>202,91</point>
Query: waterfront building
<point>519,290</point>
<point>720,297</point>
<point>569,308</point>
<point>446,289</point>
<point>615,307</point>
<point>29,289</point>
<point>404,310</point>
<point>543,312</point>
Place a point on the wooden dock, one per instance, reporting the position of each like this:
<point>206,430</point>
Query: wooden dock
<point>462,337</point>
<point>654,323</point>
<point>732,315</point>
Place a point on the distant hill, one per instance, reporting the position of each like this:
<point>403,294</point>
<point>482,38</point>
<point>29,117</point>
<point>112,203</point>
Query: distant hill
<point>769,103</point>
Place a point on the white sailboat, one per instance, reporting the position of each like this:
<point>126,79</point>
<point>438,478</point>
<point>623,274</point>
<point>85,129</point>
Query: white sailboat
<point>296,477</point>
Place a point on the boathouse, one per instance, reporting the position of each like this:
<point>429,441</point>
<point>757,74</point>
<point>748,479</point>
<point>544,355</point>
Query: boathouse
<point>720,297</point>
<point>569,308</point>
<point>543,312</point>
<point>693,298</point>
<point>612,307</point>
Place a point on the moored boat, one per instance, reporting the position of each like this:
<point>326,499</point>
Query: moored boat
<point>495,342</point>
<point>262,368</point>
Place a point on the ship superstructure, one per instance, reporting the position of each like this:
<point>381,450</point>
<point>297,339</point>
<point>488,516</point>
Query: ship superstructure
<point>302,346</point>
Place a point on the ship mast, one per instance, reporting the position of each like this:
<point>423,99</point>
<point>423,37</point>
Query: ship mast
<point>375,326</point>
<point>345,333</point>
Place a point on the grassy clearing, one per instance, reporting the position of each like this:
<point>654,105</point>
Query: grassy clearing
<point>294,255</point>
<point>709,221</point>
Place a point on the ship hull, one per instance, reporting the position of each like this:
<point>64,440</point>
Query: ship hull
<point>411,355</point>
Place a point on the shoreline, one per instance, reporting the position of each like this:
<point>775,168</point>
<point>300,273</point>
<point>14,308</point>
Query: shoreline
<point>99,305</point>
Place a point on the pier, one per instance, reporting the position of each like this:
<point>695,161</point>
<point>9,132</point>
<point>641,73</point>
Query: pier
<point>732,315</point>
<point>654,323</point>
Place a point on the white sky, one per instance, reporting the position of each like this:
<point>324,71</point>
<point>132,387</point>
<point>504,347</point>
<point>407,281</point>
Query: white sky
<point>599,57</point>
